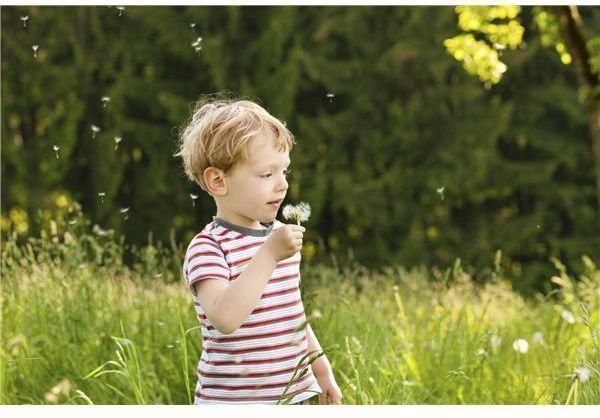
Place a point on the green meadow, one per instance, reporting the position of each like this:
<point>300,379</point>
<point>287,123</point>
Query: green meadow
<point>82,326</point>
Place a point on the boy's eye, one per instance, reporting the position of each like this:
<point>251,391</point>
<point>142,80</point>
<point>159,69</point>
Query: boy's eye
<point>265,176</point>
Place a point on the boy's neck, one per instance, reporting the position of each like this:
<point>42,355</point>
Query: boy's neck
<point>261,231</point>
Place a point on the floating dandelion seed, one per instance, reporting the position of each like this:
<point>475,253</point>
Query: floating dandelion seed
<point>121,9</point>
<point>35,48</point>
<point>81,266</point>
<point>194,197</point>
<point>196,44</point>
<point>440,191</point>
<point>538,337</point>
<point>73,222</point>
<point>118,140</point>
<point>158,275</point>
<point>192,25</point>
<point>481,352</point>
<point>568,316</point>
<point>330,96</point>
<point>170,346</point>
<point>298,213</point>
<point>582,374</point>
<point>105,100</point>
<point>102,194</point>
<point>316,314</point>
<point>521,346</point>
<point>237,360</point>
<point>125,212</point>
<point>499,47</point>
<point>56,148</point>
<point>24,20</point>
<point>160,323</point>
<point>95,129</point>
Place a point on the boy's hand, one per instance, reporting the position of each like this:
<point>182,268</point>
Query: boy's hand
<point>285,241</point>
<point>332,395</point>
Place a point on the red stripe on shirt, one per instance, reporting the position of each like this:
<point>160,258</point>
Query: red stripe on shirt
<point>262,309</point>
<point>254,349</point>
<point>279,292</point>
<point>254,362</point>
<point>257,398</point>
<point>252,337</point>
<point>242,248</point>
<point>248,375</point>
<point>262,323</point>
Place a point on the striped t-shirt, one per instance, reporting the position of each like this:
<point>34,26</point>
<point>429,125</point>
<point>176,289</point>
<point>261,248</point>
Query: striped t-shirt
<point>255,363</point>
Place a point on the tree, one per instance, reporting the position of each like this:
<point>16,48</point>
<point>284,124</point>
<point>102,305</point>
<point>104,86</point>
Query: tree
<point>561,27</point>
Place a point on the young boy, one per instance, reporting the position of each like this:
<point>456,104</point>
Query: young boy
<point>243,269</point>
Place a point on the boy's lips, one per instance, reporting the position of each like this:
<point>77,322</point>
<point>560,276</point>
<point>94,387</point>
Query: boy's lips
<point>275,202</point>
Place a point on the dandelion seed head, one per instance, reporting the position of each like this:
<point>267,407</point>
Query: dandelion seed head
<point>55,147</point>
<point>568,316</point>
<point>298,213</point>
<point>495,341</point>
<point>61,388</point>
<point>538,337</point>
<point>520,346</point>
<point>582,374</point>
<point>316,314</point>
<point>95,128</point>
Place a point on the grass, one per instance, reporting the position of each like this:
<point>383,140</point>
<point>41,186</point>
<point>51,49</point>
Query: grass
<point>79,326</point>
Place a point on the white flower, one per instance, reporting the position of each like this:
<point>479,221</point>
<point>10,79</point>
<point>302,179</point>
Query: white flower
<point>298,213</point>
<point>495,341</point>
<point>582,374</point>
<point>568,316</point>
<point>538,337</point>
<point>520,346</point>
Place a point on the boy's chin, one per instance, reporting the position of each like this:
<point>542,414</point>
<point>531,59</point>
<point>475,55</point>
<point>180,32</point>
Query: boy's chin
<point>267,219</point>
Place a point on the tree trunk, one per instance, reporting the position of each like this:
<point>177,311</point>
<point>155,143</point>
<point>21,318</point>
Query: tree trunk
<point>572,32</point>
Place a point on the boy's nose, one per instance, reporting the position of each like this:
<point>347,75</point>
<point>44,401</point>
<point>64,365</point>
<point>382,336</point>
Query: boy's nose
<point>283,184</point>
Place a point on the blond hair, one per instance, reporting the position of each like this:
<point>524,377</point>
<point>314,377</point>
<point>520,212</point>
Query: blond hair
<point>219,132</point>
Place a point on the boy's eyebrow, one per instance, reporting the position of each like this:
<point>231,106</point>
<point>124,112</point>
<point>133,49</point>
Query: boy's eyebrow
<point>275,165</point>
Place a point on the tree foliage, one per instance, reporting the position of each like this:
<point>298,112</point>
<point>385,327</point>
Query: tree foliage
<point>403,157</point>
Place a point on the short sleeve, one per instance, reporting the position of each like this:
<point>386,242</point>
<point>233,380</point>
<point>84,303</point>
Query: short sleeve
<point>204,259</point>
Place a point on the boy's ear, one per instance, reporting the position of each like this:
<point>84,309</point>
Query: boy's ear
<point>214,178</point>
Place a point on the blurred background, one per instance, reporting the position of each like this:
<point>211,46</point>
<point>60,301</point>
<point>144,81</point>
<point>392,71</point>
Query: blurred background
<point>419,141</point>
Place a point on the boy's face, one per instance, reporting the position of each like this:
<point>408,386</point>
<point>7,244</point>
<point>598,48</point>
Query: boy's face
<point>257,186</point>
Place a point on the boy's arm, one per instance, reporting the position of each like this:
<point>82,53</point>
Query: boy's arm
<point>227,305</point>
<point>323,372</point>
